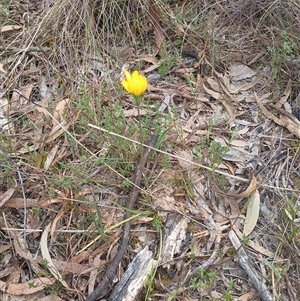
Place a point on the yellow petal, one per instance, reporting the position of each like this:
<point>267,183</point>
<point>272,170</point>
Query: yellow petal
<point>135,75</point>
<point>127,75</point>
<point>135,83</point>
<point>125,85</point>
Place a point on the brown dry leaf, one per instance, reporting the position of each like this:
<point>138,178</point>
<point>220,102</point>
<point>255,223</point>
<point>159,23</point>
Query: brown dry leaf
<point>148,59</point>
<point>164,199</point>
<point>252,213</point>
<point>286,94</point>
<point>6,196</point>
<point>239,143</point>
<point>9,28</point>
<point>246,297</point>
<point>214,94</point>
<point>284,121</point>
<point>18,203</point>
<point>214,84</point>
<point>26,91</point>
<point>38,296</point>
<point>154,16</point>
<point>4,248</point>
<point>230,109</point>
<point>26,288</point>
<point>70,267</point>
<point>232,89</point>
<point>53,227</point>
<point>58,111</point>
<point>50,157</point>
<point>97,262</point>
<point>15,272</point>
<point>46,255</point>
<point>250,189</point>
<point>188,156</point>
<point>134,112</point>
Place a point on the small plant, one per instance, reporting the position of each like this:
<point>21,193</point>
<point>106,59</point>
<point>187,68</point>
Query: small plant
<point>291,212</point>
<point>204,280</point>
<point>227,296</point>
<point>245,240</point>
<point>54,288</point>
<point>216,152</point>
<point>285,51</point>
<point>168,60</point>
<point>279,270</point>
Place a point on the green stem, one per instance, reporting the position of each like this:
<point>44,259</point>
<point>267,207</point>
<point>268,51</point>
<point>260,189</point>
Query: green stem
<point>141,131</point>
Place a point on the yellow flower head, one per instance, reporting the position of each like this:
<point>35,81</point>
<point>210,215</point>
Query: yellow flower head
<point>135,83</point>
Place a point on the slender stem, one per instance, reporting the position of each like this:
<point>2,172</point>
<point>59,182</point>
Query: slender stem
<point>141,132</point>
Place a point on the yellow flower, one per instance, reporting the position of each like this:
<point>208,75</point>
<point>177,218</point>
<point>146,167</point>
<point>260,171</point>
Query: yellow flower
<point>135,83</point>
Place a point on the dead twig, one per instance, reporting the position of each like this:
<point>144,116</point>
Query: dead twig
<point>110,275</point>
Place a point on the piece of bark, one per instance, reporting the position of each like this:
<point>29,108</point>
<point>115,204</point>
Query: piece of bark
<point>134,278</point>
<point>174,235</point>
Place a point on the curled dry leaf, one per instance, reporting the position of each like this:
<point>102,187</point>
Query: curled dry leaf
<point>46,255</point>
<point>214,94</point>
<point>50,157</point>
<point>2,69</point>
<point>9,28</point>
<point>6,196</point>
<point>250,189</point>
<point>58,111</point>
<point>26,288</point>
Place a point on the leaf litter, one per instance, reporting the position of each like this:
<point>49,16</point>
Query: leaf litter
<point>227,118</point>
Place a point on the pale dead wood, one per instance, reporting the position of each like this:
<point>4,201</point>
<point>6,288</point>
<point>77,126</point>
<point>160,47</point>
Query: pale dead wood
<point>246,265</point>
<point>134,278</point>
<point>175,232</point>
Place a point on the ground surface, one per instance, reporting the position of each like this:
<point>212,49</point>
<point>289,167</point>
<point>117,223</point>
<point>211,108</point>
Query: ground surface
<point>214,207</point>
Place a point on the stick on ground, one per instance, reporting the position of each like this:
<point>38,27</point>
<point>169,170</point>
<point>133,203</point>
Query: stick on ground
<point>246,265</point>
<point>109,277</point>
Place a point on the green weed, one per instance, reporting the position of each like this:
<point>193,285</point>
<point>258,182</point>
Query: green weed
<point>286,50</point>
<point>167,61</point>
<point>203,280</point>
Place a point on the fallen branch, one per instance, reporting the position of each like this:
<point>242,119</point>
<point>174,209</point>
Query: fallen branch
<point>109,277</point>
<point>134,278</point>
<point>246,265</point>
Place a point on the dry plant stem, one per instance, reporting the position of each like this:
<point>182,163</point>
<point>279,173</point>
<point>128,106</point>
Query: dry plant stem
<point>246,265</point>
<point>110,274</point>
